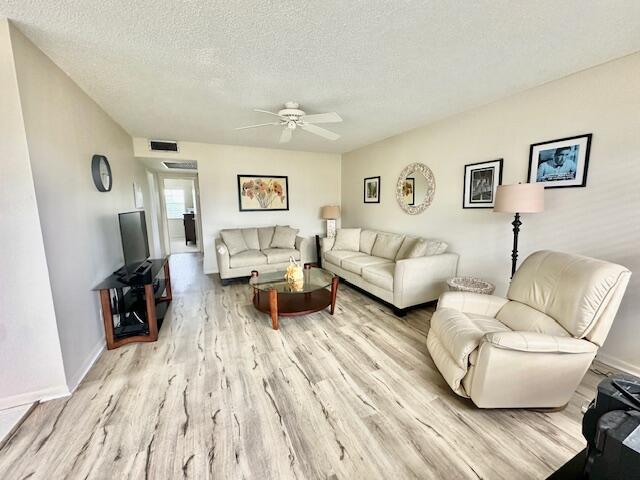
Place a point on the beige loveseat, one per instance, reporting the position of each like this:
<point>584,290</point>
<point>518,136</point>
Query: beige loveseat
<point>532,348</point>
<point>402,270</point>
<point>265,249</point>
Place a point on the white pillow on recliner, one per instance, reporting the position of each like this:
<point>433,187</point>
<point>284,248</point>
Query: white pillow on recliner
<point>347,239</point>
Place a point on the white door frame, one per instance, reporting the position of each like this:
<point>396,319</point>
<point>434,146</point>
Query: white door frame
<point>163,207</point>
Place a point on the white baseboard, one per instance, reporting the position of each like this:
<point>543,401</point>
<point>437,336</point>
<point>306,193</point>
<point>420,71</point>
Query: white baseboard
<point>74,380</point>
<point>619,364</point>
<point>32,397</point>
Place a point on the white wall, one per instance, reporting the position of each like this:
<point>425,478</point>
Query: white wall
<point>601,220</point>
<point>79,224</point>
<point>30,356</point>
<point>314,181</point>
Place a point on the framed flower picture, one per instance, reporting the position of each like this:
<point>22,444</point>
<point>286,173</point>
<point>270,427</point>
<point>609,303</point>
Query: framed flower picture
<point>480,183</point>
<point>260,192</point>
<point>372,190</point>
<point>560,163</point>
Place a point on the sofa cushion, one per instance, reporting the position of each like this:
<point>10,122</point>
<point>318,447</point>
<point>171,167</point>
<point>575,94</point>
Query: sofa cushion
<point>367,239</point>
<point>234,240</point>
<point>251,238</point>
<point>281,255</point>
<point>356,264</point>
<point>347,239</point>
<point>265,234</point>
<point>380,275</point>
<point>435,247</point>
<point>284,237</point>
<point>337,256</point>
<point>407,246</point>
<point>248,258</point>
<point>387,245</point>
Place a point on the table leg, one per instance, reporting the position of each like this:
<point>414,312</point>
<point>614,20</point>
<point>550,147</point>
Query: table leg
<point>334,293</point>
<point>151,312</point>
<point>107,317</point>
<point>273,306</point>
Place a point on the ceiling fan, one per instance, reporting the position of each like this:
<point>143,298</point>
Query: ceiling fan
<point>292,117</point>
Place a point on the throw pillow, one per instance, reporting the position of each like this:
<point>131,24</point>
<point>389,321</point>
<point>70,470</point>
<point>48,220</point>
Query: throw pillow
<point>436,247</point>
<point>284,237</point>
<point>406,247</point>
<point>265,235</point>
<point>251,238</point>
<point>367,239</point>
<point>234,241</point>
<point>387,245</point>
<point>347,239</point>
<point>419,249</point>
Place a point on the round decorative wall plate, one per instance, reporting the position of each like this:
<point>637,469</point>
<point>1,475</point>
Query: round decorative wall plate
<point>427,188</point>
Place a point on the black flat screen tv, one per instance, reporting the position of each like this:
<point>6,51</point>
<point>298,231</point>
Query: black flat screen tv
<point>135,244</point>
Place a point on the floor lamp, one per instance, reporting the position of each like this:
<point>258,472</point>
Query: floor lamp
<point>330,213</point>
<point>519,198</point>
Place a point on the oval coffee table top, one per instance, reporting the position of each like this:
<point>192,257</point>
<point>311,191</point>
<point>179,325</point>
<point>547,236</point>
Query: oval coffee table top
<point>313,279</point>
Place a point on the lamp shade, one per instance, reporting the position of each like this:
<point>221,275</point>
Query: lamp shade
<point>330,212</point>
<point>520,198</point>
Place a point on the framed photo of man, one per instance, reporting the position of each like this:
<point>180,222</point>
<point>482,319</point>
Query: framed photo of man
<point>480,183</point>
<point>560,163</point>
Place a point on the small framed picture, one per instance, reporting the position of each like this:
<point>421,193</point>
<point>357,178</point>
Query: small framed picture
<point>560,163</point>
<point>409,191</point>
<point>372,190</point>
<point>481,181</point>
<point>258,193</point>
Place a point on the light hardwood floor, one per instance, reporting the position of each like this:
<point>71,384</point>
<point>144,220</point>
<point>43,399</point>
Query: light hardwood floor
<point>222,395</point>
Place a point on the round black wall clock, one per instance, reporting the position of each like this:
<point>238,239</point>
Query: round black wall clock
<point>101,173</point>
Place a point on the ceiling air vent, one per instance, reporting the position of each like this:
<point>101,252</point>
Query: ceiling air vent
<point>162,146</point>
<point>181,165</point>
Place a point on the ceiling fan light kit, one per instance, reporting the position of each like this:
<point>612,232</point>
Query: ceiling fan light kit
<point>292,117</point>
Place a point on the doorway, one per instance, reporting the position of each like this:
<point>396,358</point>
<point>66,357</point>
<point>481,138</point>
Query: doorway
<point>179,198</point>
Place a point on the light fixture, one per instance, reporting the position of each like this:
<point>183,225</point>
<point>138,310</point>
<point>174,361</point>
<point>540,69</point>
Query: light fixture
<point>519,198</point>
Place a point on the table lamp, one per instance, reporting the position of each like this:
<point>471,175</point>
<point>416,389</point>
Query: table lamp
<point>330,213</point>
<point>519,198</point>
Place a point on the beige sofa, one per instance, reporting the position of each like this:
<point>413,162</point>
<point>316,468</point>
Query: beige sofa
<point>247,249</point>
<point>402,270</point>
<point>531,349</point>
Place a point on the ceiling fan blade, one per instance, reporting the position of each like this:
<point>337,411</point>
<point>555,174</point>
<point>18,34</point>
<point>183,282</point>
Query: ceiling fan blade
<point>331,117</point>
<point>286,135</point>
<point>259,125</point>
<point>320,131</point>
<point>266,111</point>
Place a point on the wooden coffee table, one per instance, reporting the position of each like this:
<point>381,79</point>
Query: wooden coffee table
<point>272,294</point>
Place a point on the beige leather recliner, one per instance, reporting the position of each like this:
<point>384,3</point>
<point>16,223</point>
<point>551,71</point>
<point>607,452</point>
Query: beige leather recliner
<point>531,349</point>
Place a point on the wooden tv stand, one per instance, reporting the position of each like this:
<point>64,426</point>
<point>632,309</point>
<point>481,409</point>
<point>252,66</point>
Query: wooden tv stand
<point>139,303</point>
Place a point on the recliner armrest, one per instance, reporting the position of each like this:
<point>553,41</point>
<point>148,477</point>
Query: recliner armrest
<point>469,302</point>
<point>539,342</point>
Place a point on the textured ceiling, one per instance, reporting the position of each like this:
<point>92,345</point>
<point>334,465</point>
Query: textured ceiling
<point>194,70</point>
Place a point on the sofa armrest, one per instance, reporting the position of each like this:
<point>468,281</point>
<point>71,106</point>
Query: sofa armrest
<point>222,255</point>
<point>305,246</point>
<point>420,280</point>
<point>326,244</point>
<point>469,302</point>
<point>539,342</point>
